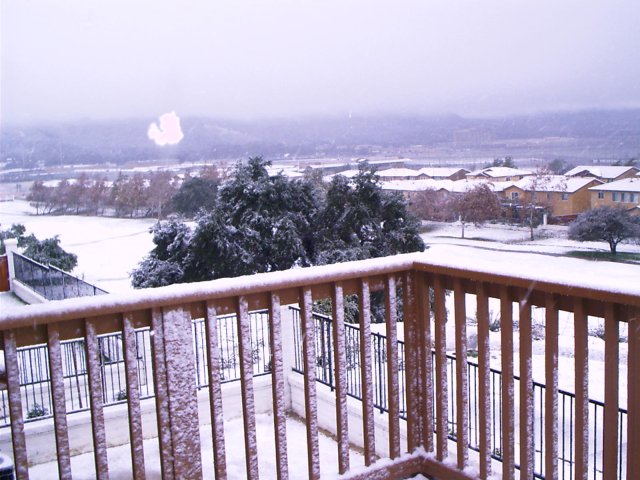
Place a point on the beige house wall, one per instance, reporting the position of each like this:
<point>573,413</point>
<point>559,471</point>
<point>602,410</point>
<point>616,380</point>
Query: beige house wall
<point>577,202</point>
<point>607,201</point>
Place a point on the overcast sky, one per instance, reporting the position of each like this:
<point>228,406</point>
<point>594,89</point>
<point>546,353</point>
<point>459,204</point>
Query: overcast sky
<point>72,59</point>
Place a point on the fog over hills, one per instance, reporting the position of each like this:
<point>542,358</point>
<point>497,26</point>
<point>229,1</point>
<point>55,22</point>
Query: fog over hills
<point>586,136</point>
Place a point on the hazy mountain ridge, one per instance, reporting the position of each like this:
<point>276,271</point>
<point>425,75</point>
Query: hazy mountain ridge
<point>120,141</point>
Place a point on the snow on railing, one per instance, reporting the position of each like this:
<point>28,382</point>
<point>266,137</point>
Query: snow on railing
<point>405,287</point>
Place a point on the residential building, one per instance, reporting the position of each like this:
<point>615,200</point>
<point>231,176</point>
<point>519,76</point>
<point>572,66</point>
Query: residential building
<point>500,174</point>
<point>564,197</point>
<point>621,193</point>
<point>606,173</point>
<point>445,173</point>
<point>401,174</point>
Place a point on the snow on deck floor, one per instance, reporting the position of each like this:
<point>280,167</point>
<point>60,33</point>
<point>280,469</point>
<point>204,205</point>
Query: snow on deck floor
<point>120,457</point>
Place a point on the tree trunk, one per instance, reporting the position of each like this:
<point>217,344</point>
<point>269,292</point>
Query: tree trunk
<point>531,222</point>
<point>613,246</point>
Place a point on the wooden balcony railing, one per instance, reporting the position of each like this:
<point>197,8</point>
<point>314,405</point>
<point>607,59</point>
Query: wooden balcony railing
<point>412,288</point>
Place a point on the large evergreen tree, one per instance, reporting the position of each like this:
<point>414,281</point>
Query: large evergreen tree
<point>262,223</point>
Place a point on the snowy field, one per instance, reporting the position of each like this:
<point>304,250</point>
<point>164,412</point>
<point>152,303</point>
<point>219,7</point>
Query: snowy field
<point>107,248</point>
<point>550,239</point>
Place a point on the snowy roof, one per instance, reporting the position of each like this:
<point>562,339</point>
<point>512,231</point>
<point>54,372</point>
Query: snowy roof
<point>398,172</point>
<point>442,171</point>
<point>555,183</point>
<point>345,173</point>
<point>607,171</point>
<point>500,172</point>
<point>453,186</point>
<point>624,185</point>
<point>288,172</point>
<point>417,185</point>
<point>461,186</point>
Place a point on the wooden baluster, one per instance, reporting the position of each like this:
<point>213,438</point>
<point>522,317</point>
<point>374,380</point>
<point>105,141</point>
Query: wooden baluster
<point>310,397</point>
<point>366,372</point>
<point>340,361</point>
<point>424,323</point>
<point>611,394</point>
<point>393,390</point>
<point>462,377</point>
<point>526,389</point>
<point>278,388</point>
<point>246,385</point>
<point>96,402</point>
<point>15,406</point>
<point>508,408</point>
<point>161,387</point>
<point>413,365</point>
<point>180,360</point>
<point>580,328</point>
<point>441,388</point>
<point>133,397</point>
<point>59,401</point>
<point>484,373</point>
<point>633,397</point>
<point>215,391</point>
<point>551,390</point>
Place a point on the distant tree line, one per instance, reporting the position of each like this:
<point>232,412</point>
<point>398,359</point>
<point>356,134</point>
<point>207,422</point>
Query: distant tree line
<point>148,194</point>
<point>261,223</point>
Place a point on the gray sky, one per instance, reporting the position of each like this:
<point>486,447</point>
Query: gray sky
<point>67,59</point>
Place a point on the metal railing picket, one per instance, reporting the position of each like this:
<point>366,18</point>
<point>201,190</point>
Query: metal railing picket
<point>566,399</point>
<point>35,378</point>
<point>51,282</point>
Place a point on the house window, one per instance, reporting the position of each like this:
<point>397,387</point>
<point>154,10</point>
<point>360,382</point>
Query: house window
<point>600,195</point>
<point>615,196</point>
<point>508,179</point>
<point>633,197</point>
<point>514,195</point>
<point>623,196</point>
<point>565,196</point>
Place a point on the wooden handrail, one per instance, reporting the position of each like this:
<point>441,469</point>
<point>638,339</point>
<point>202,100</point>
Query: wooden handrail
<point>170,311</point>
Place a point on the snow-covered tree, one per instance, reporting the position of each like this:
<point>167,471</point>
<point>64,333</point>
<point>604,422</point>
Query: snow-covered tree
<point>607,224</point>
<point>195,193</point>
<point>477,205</point>
<point>47,251</point>
<point>262,223</point>
<point>536,202</point>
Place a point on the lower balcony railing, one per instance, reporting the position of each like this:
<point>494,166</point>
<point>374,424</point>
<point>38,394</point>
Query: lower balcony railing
<point>431,395</point>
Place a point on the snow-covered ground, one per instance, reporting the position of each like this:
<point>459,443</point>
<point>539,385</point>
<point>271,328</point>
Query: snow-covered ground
<point>107,248</point>
<point>550,239</point>
<point>83,466</point>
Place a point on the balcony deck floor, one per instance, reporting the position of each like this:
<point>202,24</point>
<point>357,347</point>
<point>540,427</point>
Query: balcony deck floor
<point>120,460</point>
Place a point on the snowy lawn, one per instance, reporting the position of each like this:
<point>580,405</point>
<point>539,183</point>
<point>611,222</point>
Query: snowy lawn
<point>551,239</point>
<point>107,248</point>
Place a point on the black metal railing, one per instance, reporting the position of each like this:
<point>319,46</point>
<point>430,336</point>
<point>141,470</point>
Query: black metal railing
<point>35,380</point>
<point>566,400</point>
<point>51,282</point>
